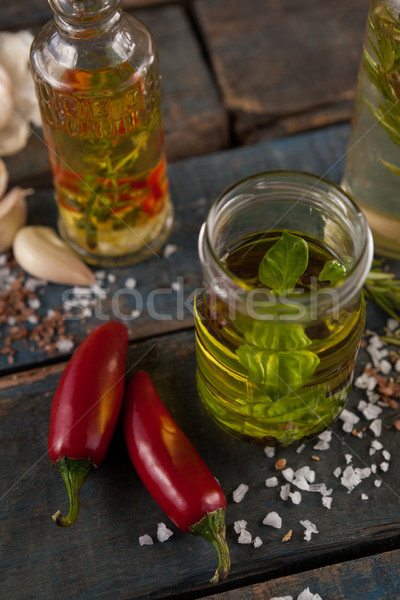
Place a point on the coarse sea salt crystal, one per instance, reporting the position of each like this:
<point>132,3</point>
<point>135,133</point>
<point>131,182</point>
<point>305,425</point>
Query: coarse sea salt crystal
<point>350,479</point>
<point>257,542</point>
<point>373,397</point>
<point>365,382</point>
<point>384,466</point>
<point>163,533</point>
<point>326,436</point>
<point>288,474</point>
<point>385,367</point>
<point>375,446</point>
<point>176,286</point>
<point>374,468</point>
<point>295,497</point>
<point>273,520</point>
<point>64,345</point>
<point>376,427</point>
<point>363,473</point>
<point>34,303</point>
<point>337,472</point>
<point>370,411</point>
<point>130,283</point>
<point>245,537</point>
<point>349,458</point>
<point>284,493</point>
<point>386,455</point>
<point>364,497</point>
<point>392,324</point>
<point>300,449</point>
<point>327,501</point>
<point>321,445</point>
<point>169,250</point>
<point>271,482</point>
<point>349,420</point>
<point>269,451</point>
<point>111,278</point>
<point>307,595</point>
<point>310,528</point>
<point>240,492</point>
<point>282,598</point>
<point>145,540</point>
<point>378,483</point>
<point>239,525</point>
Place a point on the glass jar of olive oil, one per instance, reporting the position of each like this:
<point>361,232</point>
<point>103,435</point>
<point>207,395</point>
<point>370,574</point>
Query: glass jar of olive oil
<point>280,315</point>
<point>96,76</point>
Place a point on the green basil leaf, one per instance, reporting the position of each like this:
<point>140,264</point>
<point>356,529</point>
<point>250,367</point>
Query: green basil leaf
<point>284,263</point>
<point>332,271</point>
<point>277,336</point>
<point>277,373</point>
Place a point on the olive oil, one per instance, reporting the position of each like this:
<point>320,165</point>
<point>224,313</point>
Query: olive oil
<point>280,379</point>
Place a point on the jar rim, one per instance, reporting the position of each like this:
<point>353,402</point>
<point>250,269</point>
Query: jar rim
<point>358,271</point>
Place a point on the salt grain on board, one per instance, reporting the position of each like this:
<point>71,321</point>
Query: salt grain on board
<point>295,497</point>
<point>239,525</point>
<point>376,427</point>
<point>310,528</point>
<point>145,540</point>
<point>245,537</point>
<point>269,451</point>
<point>273,520</point>
<point>271,482</point>
<point>169,250</point>
<point>364,497</point>
<point>240,492</point>
<point>163,533</point>
<point>284,493</point>
<point>307,595</point>
<point>257,542</point>
<point>282,598</point>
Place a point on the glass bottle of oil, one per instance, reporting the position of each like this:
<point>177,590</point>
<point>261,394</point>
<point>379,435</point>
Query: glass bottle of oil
<point>372,172</point>
<point>96,76</point>
<point>274,367</point>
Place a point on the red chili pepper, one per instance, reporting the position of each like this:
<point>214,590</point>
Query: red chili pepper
<point>172,470</point>
<point>85,409</point>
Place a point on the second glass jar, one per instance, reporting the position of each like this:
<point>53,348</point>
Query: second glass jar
<point>274,367</point>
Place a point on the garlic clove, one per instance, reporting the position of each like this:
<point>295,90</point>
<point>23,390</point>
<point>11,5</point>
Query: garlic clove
<point>6,95</point>
<point>42,253</point>
<point>13,212</point>
<point>3,178</point>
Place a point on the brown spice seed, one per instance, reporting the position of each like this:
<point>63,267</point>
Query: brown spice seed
<point>287,537</point>
<point>280,464</point>
<point>314,457</point>
<point>397,424</point>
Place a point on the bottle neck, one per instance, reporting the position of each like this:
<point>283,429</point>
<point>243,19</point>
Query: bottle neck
<point>85,18</point>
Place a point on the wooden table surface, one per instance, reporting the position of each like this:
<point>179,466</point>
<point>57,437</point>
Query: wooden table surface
<point>247,87</point>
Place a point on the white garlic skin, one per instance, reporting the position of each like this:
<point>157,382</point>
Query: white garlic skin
<point>42,253</point>
<point>13,214</point>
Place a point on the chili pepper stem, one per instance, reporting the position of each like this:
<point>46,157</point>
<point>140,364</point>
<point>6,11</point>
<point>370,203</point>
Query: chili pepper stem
<point>212,528</point>
<point>74,472</point>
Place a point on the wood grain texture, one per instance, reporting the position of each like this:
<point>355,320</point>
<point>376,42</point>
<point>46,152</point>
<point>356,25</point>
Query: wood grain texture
<point>195,184</point>
<point>372,578</point>
<point>99,557</point>
<point>279,59</point>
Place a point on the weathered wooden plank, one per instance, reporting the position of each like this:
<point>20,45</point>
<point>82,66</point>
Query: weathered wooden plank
<point>15,15</point>
<point>195,183</point>
<point>371,578</point>
<point>195,121</point>
<point>283,59</point>
<point>99,557</point>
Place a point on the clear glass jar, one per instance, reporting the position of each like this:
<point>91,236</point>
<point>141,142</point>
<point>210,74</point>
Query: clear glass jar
<point>372,172</point>
<point>97,81</point>
<point>276,369</point>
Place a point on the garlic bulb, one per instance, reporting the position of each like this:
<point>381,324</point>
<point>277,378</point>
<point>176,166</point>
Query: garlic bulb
<point>3,177</point>
<point>42,253</point>
<point>18,106</point>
